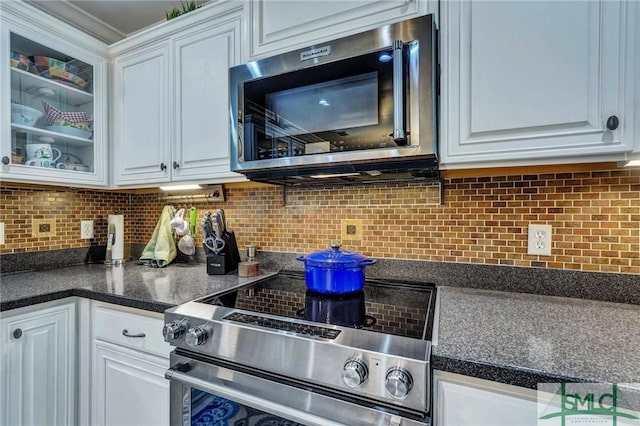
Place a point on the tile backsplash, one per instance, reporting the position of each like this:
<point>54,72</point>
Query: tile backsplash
<point>595,217</point>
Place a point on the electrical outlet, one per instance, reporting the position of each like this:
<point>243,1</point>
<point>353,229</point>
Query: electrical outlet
<point>41,228</point>
<point>351,229</point>
<point>1,232</point>
<point>539,240</point>
<point>86,229</point>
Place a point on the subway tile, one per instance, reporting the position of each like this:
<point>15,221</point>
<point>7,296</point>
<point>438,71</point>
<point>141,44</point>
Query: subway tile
<point>484,220</point>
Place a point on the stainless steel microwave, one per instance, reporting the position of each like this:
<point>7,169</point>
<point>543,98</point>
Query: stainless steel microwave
<point>355,109</point>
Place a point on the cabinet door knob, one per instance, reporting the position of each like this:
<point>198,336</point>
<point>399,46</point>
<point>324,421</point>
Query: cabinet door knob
<point>175,165</point>
<point>17,333</point>
<point>163,167</point>
<point>612,122</point>
<point>126,333</point>
<point>5,160</point>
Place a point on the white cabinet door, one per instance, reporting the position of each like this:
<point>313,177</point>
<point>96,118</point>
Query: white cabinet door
<point>466,401</point>
<point>71,147</point>
<point>141,124</point>
<point>129,387</point>
<point>281,25</point>
<point>531,82</point>
<point>38,365</point>
<point>202,58</point>
<point>171,107</point>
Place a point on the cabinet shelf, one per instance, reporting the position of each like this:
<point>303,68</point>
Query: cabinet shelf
<point>59,137</point>
<point>31,83</point>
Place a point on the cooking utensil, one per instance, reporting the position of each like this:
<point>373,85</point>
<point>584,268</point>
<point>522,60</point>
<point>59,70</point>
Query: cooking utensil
<point>223,221</point>
<point>193,220</point>
<point>214,244</point>
<point>335,271</point>
<point>186,244</point>
<point>212,239</point>
<point>218,241</point>
<point>180,226</point>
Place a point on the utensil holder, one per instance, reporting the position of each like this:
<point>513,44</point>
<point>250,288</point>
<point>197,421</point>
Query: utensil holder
<point>227,259</point>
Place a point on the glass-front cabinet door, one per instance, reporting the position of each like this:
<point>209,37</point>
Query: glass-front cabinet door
<point>53,110</point>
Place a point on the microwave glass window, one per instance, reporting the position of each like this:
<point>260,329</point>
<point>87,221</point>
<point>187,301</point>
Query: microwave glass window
<point>349,102</point>
<point>345,105</point>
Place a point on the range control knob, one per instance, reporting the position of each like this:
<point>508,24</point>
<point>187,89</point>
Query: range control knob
<point>197,335</point>
<point>354,373</point>
<point>175,329</point>
<point>398,383</point>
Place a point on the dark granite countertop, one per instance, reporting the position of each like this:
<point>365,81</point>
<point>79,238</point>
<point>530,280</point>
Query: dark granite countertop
<point>524,339</point>
<point>515,338</point>
<point>133,285</point>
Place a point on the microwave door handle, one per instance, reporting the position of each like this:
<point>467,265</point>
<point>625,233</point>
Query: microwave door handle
<point>399,134</point>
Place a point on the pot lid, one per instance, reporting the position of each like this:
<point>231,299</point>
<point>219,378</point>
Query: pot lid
<point>335,256</point>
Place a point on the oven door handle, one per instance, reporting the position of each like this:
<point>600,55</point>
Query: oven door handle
<point>244,398</point>
<point>399,134</point>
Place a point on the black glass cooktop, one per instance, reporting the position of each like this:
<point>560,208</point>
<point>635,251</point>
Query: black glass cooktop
<point>386,306</point>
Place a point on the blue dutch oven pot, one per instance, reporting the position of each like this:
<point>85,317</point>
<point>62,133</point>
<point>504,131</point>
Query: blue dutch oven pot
<point>335,271</point>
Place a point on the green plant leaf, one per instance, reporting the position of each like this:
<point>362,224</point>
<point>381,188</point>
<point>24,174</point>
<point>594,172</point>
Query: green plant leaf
<point>173,13</point>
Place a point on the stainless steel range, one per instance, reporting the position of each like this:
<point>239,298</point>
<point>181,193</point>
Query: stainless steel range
<point>275,353</point>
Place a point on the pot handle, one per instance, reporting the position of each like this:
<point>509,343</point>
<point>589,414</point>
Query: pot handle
<point>367,262</point>
<point>300,313</point>
<point>300,258</point>
<point>369,321</point>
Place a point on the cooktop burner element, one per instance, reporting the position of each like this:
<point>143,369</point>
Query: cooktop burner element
<point>372,346</point>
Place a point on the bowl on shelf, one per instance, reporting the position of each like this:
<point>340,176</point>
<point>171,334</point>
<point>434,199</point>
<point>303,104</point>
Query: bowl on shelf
<point>20,61</point>
<point>72,162</point>
<point>72,123</point>
<point>71,131</point>
<point>58,70</point>
<point>24,115</point>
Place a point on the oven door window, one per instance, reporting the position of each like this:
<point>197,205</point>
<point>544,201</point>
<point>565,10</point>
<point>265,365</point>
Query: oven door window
<point>340,106</point>
<point>211,410</point>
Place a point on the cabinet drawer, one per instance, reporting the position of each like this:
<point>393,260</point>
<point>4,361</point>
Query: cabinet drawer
<point>110,325</point>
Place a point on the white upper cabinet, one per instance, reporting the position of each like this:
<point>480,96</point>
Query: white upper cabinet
<point>201,148</point>
<point>53,107</point>
<point>276,26</point>
<point>170,99</point>
<point>141,120</point>
<point>530,82</point>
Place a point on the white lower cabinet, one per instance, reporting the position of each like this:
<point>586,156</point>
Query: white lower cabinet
<point>37,365</point>
<point>129,359</point>
<point>129,387</point>
<point>467,401</point>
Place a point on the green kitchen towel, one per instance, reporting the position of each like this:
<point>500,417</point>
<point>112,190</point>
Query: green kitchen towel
<point>161,248</point>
